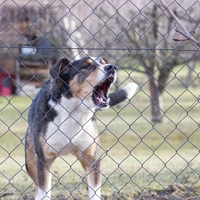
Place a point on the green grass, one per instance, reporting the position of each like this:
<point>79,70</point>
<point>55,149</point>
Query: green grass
<point>142,156</point>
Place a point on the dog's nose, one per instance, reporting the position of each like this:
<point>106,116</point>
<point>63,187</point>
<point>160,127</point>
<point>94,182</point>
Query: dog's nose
<point>110,67</point>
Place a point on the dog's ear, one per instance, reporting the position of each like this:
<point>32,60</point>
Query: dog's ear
<point>60,68</point>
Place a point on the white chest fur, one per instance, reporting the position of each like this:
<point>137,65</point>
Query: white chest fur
<point>72,127</point>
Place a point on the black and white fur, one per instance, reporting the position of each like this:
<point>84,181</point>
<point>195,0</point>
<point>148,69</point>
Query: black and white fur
<point>61,120</point>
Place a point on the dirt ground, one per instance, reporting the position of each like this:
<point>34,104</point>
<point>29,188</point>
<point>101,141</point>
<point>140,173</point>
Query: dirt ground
<point>174,192</point>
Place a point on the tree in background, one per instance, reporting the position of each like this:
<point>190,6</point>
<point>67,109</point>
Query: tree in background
<point>148,35</point>
<point>142,37</point>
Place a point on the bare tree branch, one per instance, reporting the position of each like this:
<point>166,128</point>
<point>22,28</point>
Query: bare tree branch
<point>180,27</point>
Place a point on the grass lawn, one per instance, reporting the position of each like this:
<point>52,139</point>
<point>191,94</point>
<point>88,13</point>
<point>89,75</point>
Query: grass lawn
<point>143,160</point>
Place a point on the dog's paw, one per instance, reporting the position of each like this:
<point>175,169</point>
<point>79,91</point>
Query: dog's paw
<point>130,90</point>
<point>123,94</point>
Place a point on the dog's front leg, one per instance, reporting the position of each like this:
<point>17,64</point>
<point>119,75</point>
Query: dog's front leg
<point>43,184</point>
<point>38,168</point>
<point>43,181</point>
<point>94,181</point>
<point>91,163</point>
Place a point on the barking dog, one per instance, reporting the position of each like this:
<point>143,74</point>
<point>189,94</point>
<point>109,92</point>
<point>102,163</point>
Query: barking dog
<point>61,120</point>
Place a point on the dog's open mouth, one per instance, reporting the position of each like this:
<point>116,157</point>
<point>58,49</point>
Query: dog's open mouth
<point>100,93</point>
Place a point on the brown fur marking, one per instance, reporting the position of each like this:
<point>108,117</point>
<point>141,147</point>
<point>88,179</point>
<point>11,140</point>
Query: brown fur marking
<point>90,62</point>
<point>91,164</point>
<point>103,61</point>
<point>84,90</point>
<point>31,159</point>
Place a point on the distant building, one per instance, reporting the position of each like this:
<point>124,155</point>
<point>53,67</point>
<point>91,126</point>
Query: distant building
<point>32,37</point>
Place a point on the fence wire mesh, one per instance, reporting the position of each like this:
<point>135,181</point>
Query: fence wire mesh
<point>149,146</point>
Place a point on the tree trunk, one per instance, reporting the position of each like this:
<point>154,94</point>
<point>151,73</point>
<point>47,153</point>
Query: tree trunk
<point>156,101</point>
<point>188,78</point>
<point>156,91</point>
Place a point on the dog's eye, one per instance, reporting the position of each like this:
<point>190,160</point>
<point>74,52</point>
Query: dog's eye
<point>87,67</point>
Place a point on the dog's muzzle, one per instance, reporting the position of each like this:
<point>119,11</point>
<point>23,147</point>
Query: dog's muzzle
<point>100,93</point>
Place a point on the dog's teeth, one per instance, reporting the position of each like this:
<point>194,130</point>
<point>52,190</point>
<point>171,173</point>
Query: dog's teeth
<point>98,99</point>
<point>101,100</point>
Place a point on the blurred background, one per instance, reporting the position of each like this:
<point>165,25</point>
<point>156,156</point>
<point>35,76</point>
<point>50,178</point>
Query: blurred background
<point>151,142</point>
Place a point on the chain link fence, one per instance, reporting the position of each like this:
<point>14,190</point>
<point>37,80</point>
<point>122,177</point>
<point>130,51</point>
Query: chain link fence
<point>149,144</point>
